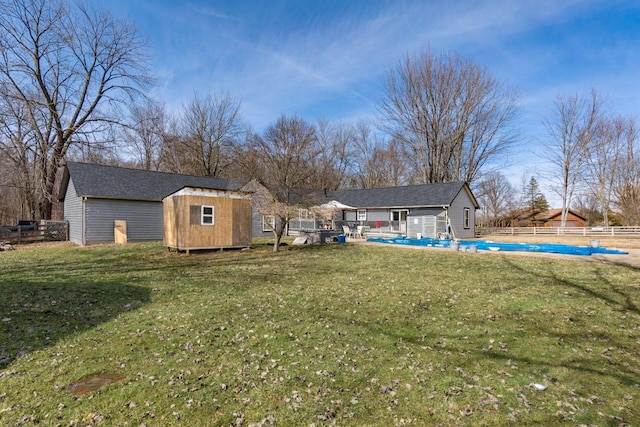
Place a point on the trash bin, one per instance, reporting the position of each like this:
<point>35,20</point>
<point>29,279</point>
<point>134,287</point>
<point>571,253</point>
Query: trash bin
<point>342,238</point>
<point>595,243</point>
<point>454,246</point>
<point>473,248</point>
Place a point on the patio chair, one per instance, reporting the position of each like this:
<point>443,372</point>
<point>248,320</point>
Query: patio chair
<point>359,232</point>
<point>347,231</point>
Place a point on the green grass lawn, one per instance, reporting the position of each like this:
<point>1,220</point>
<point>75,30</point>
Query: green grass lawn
<point>323,335</point>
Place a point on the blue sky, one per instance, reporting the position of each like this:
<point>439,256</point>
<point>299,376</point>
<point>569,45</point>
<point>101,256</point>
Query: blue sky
<point>328,58</point>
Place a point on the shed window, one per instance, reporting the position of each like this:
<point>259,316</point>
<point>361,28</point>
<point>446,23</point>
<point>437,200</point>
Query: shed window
<point>362,214</point>
<point>466,218</point>
<point>206,216</point>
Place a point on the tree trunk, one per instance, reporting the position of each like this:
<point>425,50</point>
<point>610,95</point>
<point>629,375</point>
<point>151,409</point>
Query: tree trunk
<point>276,243</point>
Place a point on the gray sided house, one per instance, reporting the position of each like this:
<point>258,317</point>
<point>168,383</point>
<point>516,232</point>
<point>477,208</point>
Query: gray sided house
<point>96,196</point>
<point>429,210</point>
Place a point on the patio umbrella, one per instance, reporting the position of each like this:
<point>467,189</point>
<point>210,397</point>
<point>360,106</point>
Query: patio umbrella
<point>327,210</point>
<point>335,205</point>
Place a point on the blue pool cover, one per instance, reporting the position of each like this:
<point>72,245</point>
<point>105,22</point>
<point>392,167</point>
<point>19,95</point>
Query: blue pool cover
<point>555,248</point>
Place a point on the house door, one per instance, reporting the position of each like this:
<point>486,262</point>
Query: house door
<point>399,220</point>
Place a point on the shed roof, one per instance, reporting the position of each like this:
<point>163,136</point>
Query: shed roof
<point>112,182</point>
<point>423,195</point>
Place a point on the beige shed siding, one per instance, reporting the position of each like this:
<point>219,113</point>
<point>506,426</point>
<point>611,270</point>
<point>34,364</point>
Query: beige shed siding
<point>241,223</point>
<point>231,223</point>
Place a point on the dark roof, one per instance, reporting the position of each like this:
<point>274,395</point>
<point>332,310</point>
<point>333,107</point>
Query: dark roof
<point>423,195</point>
<point>111,182</point>
<point>557,212</point>
<point>426,211</point>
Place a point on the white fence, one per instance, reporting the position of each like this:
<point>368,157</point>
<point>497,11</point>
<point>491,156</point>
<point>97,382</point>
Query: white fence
<point>559,231</point>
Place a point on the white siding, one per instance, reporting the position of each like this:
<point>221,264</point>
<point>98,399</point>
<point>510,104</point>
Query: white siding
<point>144,220</point>
<point>73,214</point>
<point>427,225</point>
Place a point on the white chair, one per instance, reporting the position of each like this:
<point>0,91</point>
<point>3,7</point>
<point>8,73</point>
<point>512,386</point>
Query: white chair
<point>347,231</point>
<point>359,232</point>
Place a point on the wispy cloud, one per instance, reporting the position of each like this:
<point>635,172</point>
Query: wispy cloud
<point>329,59</point>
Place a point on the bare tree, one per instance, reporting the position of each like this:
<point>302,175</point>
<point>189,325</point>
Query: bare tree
<point>18,148</point>
<point>452,116</point>
<point>210,127</point>
<point>283,164</point>
<point>146,133</point>
<point>496,196</point>
<point>68,66</point>
<point>571,127</point>
<point>605,153</point>
<point>627,189</point>
<point>589,207</point>
<point>336,141</point>
<point>375,163</point>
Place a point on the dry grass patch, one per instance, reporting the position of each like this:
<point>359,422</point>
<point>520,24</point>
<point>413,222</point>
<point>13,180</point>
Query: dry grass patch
<point>331,335</point>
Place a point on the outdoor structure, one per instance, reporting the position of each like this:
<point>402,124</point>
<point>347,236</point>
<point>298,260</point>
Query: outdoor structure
<point>428,210</point>
<point>96,196</point>
<point>549,218</point>
<point>200,218</point>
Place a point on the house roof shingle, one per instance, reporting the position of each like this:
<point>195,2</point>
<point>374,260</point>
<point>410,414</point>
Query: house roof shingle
<point>423,195</point>
<point>111,182</point>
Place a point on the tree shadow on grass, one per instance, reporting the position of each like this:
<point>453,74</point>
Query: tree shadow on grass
<point>35,314</point>
<point>619,297</point>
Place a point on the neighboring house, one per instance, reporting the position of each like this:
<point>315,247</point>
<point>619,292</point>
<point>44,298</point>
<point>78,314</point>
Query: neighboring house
<point>431,210</point>
<point>96,196</point>
<point>549,218</point>
<point>553,218</point>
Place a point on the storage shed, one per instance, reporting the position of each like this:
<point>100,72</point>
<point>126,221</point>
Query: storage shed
<point>104,203</point>
<point>201,218</point>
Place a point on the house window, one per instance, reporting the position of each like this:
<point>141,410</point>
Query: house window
<point>206,215</point>
<point>268,222</point>
<point>466,218</point>
<point>362,215</point>
<point>303,213</point>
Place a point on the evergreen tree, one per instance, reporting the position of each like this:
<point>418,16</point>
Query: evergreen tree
<point>534,198</point>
